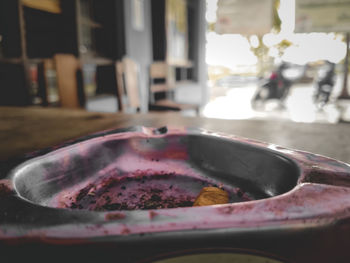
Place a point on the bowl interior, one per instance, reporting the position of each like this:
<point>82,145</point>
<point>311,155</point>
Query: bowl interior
<point>151,172</point>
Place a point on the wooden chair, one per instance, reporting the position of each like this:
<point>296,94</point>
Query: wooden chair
<point>69,81</point>
<point>162,88</point>
<point>127,72</point>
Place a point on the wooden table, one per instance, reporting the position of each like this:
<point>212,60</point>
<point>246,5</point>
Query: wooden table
<point>24,130</point>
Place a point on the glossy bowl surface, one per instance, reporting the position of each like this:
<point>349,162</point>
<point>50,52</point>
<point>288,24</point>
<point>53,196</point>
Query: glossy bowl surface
<point>137,186</point>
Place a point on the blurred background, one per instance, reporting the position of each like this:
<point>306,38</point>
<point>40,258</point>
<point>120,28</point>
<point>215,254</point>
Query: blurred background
<point>226,59</point>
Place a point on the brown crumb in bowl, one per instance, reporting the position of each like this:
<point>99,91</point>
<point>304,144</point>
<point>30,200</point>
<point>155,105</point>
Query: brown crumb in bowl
<point>211,196</point>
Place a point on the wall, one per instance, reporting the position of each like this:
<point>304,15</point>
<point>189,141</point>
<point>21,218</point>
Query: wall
<point>198,91</point>
<point>202,73</point>
<point>139,46</point>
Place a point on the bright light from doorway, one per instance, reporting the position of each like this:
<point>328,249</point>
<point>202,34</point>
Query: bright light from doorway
<point>232,50</point>
<point>229,50</point>
<point>234,53</point>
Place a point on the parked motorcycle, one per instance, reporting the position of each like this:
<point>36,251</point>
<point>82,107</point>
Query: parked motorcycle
<point>324,84</point>
<point>278,84</point>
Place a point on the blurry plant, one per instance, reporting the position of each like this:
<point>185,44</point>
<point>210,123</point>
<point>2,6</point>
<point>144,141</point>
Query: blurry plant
<point>343,38</point>
<point>282,46</point>
<point>211,27</point>
<point>276,23</point>
<point>261,50</point>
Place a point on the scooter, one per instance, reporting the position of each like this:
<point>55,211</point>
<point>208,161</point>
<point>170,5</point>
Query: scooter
<point>275,87</point>
<point>324,84</point>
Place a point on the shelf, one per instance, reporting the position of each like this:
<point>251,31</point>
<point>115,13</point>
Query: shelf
<point>95,60</point>
<point>88,22</point>
<point>181,64</point>
<point>11,60</point>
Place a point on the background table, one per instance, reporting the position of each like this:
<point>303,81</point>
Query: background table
<point>24,130</point>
